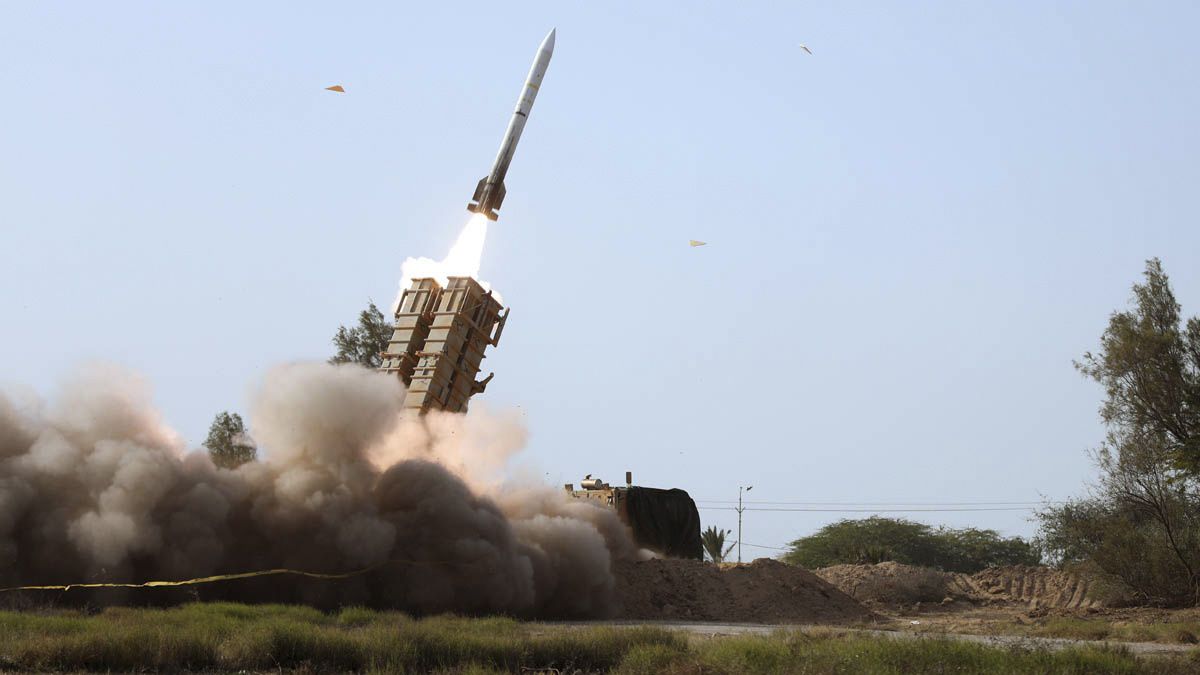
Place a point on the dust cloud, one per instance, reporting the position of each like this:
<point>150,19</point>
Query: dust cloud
<point>95,487</point>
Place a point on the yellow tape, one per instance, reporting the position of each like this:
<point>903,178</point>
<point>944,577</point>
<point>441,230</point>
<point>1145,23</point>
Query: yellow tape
<point>219,577</point>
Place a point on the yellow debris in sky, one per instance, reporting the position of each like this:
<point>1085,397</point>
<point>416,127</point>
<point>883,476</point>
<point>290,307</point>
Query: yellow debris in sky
<point>693,243</point>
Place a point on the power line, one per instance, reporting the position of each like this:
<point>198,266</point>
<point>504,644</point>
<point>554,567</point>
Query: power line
<point>773,548</point>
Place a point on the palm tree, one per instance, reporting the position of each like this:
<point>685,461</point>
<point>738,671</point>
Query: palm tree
<point>713,541</point>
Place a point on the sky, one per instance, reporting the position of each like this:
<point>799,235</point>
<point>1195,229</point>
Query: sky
<point>912,232</point>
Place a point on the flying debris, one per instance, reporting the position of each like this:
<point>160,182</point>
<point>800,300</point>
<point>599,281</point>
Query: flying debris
<point>489,193</point>
<point>337,87</point>
<point>805,48</point>
<point>693,243</point>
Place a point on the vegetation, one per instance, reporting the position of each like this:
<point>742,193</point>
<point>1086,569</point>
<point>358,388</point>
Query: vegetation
<point>1155,629</point>
<point>1140,522</point>
<point>226,636</point>
<point>1171,632</point>
<point>877,539</point>
<point>1149,364</point>
<point>227,442</point>
<point>713,541</point>
<point>363,344</point>
<point>836,652</point>
<point>232,637</point>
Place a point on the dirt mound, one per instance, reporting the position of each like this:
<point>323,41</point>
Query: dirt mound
<point>764,591</point>
<point>894,584</point>
<point>1037,586</point>
<point>891,583</point>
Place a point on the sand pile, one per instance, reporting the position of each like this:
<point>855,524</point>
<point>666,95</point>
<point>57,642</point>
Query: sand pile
<point>891,583</point>
<point>1036,586</point>
<point>894,584</point>
<point>764,591</point>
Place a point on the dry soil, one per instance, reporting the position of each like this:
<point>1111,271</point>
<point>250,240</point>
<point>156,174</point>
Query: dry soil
<point>764,591</point>
<point>893,585</point>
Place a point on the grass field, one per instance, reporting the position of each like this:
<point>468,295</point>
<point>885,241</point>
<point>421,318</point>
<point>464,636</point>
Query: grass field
<point>1180,632</point>
<point>1177,632</point>
<point>233,637</point>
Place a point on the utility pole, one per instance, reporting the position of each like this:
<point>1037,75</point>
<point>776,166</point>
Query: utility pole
<point>739,510</point>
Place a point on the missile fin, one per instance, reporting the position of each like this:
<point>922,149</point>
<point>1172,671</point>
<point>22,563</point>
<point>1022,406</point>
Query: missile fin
<point>479,189</point>
<point>500,192</point>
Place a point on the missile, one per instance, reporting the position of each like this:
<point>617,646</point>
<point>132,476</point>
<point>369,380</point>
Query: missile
<point>489,193</point>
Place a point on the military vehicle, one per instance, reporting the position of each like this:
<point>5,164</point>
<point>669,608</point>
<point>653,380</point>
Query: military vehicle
<point>664,521</point>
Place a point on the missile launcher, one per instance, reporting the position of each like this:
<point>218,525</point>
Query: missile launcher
<point>439,342</point>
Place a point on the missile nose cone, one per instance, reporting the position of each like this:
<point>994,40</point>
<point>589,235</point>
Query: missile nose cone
<point>548,43</point>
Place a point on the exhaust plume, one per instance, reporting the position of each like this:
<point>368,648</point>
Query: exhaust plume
<point>463,260</point>
<point>96,487</point>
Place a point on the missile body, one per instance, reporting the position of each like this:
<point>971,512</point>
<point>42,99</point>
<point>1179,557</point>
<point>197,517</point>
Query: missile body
<point>489,193</point>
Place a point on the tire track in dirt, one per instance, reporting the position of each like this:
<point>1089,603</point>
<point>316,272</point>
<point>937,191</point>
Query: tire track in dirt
<point>890,583</point>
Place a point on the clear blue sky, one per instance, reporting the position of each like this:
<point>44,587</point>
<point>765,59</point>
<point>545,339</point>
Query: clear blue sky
<point>912,231</point>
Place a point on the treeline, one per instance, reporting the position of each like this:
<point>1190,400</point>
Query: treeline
<point>877,539</point>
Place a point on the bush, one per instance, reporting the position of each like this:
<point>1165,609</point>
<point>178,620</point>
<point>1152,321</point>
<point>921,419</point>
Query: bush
<point>1132,549</point>
<point>877,539</point>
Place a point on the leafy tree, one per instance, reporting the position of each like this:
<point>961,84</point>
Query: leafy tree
<point>1149,364</point>
<point>971,549</point>
<point>878,539</point>
<point>1140,522</point>
<point>713,541</point>
<point>227,442</point>
<point>365,343</point>
<point>866,541</point>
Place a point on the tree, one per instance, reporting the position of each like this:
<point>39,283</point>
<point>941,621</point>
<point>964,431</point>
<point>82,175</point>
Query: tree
<point>972,549</point>
<point>365,343</point>
<point>227,442</point>
<point>1149,364</point>
<point>878,539</point>
<point>713,541</point>
<point>1140,522</point>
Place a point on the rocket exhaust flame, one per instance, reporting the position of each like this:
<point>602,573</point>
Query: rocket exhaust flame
<point>463,260</point>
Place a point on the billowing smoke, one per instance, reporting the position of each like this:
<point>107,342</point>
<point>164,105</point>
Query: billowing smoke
<point>95,487</point>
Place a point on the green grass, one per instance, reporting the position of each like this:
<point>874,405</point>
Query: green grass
<point>1174,632</point>
<point>233,637</point>
<point>225,636</point>
<point>840,653</point>
<point>1072,628</point>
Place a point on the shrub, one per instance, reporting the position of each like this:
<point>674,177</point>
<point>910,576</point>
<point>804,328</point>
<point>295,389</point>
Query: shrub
<point>877,539</point>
